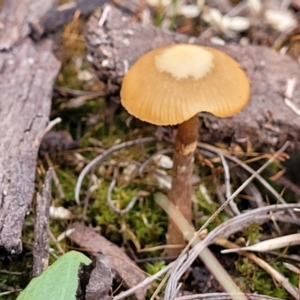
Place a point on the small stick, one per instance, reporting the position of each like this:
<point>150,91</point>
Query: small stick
<point>232,204</point>
<point>57,244</point>
<point>41,243</point>
<point>51,124</point>
<point>60,191</point>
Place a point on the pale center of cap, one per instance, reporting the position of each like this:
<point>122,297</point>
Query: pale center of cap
<point>183,61</point>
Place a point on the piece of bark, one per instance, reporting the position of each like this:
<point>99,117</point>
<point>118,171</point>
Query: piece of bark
<point>41,226</point>
<point>129,272</point>
<point>116,42</point>
<point>55,18</point>
<point>15,17</point>
<point>95,280</point>
<point>27,74</point>
<point>26,82</point>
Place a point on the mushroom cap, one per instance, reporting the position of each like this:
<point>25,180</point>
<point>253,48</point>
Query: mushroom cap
<point>170,85</point>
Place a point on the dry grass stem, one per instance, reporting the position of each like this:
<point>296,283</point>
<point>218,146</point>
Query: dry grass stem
<point>250,170</point>
<point>236,224</point>
<point>254,175</point>
<point>223,296</point>
<point>51,124</point>
<point>283,281</point>
<point>55,241</point>
<point>143,284</point>
<point>271,244</point>
<point>101,157</point>
<point>205,254</point>
<point>56,181</point>
<point>250,189</point>
<point>232,204</point>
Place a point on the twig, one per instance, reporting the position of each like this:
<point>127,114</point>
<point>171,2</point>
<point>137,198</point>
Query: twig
<point>58,246</point>
<point>61,193</point>
<point>222,199</point>
<point>232,204</point>
<point>41,243</point>
<point>86,200</point>
<point>144,283</point>
<point>51,124</point>
<point>78,93</point>
<point>10,292</point>
<point>102,156</point>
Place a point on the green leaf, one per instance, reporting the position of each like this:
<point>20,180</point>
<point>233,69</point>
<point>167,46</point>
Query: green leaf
<point>59,281</point>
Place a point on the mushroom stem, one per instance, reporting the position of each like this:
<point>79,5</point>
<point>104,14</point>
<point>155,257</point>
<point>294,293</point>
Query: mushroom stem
<point>181,191</point>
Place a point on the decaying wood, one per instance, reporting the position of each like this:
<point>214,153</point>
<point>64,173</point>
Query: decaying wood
<point>95,280</point>
<point>15,19</point>
<point>41,227</point>
<point>27,74</point>
<point>129,272</point>
<point>55,18</point>
<point>116,41</point>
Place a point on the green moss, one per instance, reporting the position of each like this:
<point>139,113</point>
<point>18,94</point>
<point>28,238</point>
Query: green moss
<point>252,233</point>
<point>254,279</point>
<point>153,268</point>
<point>208,209</point>
<point>67,179</point>
<point>146,220</point>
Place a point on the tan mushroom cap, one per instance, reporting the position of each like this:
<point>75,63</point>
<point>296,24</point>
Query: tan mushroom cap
<point>170,85</point>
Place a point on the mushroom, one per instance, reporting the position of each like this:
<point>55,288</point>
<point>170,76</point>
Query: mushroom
<point>170,86</point>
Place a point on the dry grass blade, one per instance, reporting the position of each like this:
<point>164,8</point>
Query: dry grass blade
<point>251,189</point>
<point>283,281</point>
<point>144,283</point>
<point>102,156</point>
<point>184,261</point>
<point>51,124</point>
<point>232,204</point>
<point>292,268</point>
<point>254,175</point>
<point>247,168</point>
<point>206,255</point>
<point>223,296</point>
<point>280,242</point>
<point>259,215</point>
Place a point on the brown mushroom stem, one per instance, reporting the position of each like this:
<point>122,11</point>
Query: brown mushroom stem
<point>181,191</point>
